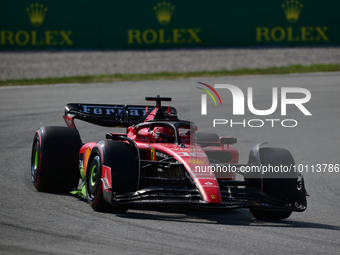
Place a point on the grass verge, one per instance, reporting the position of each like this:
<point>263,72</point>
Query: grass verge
<point>165,75</point>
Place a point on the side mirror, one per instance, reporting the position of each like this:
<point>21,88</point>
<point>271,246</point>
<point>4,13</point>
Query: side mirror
<point>227,140</point>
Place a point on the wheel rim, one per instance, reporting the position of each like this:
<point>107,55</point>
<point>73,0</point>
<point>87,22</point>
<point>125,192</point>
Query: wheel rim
<point>93,176</point>
<point>35,162</point>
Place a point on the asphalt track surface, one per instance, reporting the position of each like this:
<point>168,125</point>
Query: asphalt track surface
<point>32,222</point>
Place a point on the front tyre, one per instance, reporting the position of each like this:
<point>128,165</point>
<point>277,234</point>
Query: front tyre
<point>280,185</point>
<point>93,184</point>
<point>120,157</point>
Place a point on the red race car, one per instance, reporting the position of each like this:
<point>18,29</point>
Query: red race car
<point>162,161</point>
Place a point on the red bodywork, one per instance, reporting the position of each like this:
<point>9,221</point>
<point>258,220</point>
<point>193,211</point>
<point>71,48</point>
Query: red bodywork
<point>191,154</point>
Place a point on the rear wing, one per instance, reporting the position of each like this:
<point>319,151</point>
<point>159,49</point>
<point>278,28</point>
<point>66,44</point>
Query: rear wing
<point>110,115</point>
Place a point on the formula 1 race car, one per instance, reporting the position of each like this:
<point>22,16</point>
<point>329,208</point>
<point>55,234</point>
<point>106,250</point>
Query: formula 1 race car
<point>162,161</point>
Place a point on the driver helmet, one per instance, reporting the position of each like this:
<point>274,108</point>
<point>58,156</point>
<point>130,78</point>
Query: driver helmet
<point>158,134</point>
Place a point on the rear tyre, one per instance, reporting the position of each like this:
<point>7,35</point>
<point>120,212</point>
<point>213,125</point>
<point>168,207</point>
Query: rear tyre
<point>121,158</point>
<point>281,185</point>
<point>54,159</point>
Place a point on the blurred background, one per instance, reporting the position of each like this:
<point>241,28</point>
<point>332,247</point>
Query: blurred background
<point>66,38</point>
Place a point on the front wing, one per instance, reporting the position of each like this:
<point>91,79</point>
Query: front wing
<point>178,196</point>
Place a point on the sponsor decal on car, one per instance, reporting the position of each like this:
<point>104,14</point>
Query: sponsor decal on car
<point>106,177</point>
<point>210,186</point>
<point>87,156</point>
<point>153,155</point>
<point>149,201</point>
<point>197,175</point>
<point>206,178</point>
<point>161,155</point>
<point>191,154</point>
<point>197,161</point>
<point>178,149</point>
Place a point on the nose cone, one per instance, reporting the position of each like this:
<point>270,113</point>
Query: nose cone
<point>209,189</point>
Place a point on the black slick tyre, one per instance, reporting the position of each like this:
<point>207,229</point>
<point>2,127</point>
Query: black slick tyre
<point>281,185</point>
<point>121,158</point>
<point>94,191</point>
<point>54,159</point>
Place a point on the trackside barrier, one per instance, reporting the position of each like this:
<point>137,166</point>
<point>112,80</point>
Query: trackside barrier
<point>147,24</point>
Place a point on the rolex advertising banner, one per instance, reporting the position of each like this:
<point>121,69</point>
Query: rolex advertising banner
<point>137,24</point>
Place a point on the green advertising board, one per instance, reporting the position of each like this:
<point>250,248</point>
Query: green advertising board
<point>138,24</point>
